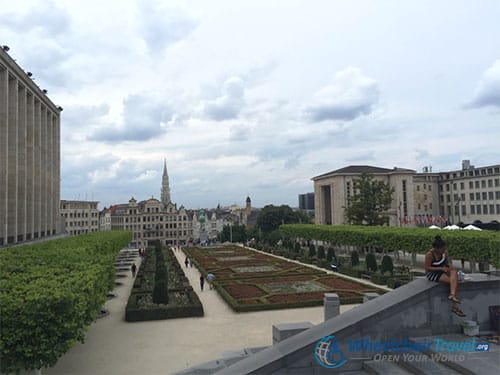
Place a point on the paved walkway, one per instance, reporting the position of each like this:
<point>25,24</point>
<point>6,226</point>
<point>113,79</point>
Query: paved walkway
<point>113,346</point>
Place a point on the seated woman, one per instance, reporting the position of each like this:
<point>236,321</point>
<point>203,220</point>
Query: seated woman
<point>438,267</point>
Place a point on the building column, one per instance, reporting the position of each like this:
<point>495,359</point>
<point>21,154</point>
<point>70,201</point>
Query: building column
<point>37,202</point>
<point>56,145</point>
<point>48,177</point>
<point>43,171</point>
<point>21,164</point>
<point>12,162</point>
<point>4,156</point>
<point>30,170</point>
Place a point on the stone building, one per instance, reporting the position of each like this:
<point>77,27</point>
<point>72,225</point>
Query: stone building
<point>151,219</point>
<point>80,217</point>
<point>29,157</point>
<point>462,196</point>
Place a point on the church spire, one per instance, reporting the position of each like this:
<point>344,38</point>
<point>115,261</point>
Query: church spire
<point>165,187</point>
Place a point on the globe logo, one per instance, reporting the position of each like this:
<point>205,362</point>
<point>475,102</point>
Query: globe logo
<point>328,353</point>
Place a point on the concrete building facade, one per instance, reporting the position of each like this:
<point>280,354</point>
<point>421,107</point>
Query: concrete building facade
<point>29,157</point>
<point>467,195</point>
<point>80,217</point>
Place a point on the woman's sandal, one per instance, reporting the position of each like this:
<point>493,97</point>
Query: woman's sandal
<point>452,298</point>
<point>457,311</point>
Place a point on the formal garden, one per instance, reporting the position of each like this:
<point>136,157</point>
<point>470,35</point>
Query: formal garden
<point>252,281</point>
<point>160,290</point>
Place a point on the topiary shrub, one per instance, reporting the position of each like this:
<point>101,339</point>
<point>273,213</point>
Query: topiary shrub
<point>312,250</point>
<point>354,258</point>
<point>160,292</point>
<point>387,265</point>
<point>371,262</point>
<point>330,254</point>
<point>321,252</point>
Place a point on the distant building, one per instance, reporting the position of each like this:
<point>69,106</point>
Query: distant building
<point>151,220</point>
<point>420,199</point>
<point>80,217</point>
<point>29,157</point>
<point>306,201</point>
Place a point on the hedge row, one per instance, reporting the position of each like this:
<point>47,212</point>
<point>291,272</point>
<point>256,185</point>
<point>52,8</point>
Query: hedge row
<point>50,292</point>
<point>469,245</point>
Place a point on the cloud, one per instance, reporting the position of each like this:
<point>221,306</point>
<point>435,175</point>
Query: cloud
<point>488,89</point>
<point>144,117</point>
<point>46,18</point>
<point>229,103</point>
<point>84,115</point>
<point>349,96</point>
<point>160,27</point>
<point>239,133</point>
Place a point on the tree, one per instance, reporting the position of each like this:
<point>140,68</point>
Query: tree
<point>234,232</point>
<point>271,217</point>
<point>371,199</point>
<point>387,265</point>
<point>354,258</point>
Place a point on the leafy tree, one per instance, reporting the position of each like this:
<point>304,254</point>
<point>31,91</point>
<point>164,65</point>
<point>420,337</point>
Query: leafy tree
<point>297,247</point>
<point>371,199</point>
<point>387,265</point>
<point>271,217</point>
<point>371,262</point>
<point>236,232</point>
<point>354,258</point>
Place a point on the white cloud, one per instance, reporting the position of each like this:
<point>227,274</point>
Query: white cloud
<point>350,95</point>
<point>488,89</point>
<point>229,103</point>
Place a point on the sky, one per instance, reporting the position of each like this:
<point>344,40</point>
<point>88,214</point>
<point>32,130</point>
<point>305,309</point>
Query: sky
<point>257,97</point>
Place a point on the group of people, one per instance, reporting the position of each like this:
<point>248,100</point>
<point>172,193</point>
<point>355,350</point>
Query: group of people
<point>210,279</point>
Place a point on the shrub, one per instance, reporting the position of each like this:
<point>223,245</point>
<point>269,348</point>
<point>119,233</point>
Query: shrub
<point>330,254</point>
<point>371,262</point>
<point>312,250</point>
<point>297,247</point>
<point>160,292</point>
<point>387,265</point>
<point>354,258</point>
<point>321,252</point>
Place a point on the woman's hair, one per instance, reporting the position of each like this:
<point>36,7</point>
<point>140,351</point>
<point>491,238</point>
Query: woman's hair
<point>438,243</point>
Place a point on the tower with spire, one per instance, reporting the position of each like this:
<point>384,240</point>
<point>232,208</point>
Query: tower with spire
<point>165,187</point>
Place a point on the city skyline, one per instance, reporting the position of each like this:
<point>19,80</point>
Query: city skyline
<point>257,98</point>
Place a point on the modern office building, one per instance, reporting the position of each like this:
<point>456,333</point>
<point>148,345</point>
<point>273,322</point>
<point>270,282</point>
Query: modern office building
<point>468,195</point>
<point>306,201</point>
<point>79,217</point>
<point>29,157</point>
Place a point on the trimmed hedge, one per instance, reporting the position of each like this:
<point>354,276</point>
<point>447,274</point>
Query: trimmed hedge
<point>50,292</point>
<point>469,245</point>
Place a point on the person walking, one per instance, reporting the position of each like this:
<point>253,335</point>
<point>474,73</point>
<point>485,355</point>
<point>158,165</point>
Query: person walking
<point>133,269</point>
<point>186,262</point>
<point>202,282</point>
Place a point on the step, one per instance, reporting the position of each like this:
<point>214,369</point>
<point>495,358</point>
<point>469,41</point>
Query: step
<point>420,363</point>
<point>384,368</point>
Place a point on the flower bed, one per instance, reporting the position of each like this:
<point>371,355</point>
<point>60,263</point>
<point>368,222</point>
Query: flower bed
<point>252,281</point>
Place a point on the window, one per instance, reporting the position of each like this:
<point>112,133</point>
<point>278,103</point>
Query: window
<point>471,196</point>
<point>462,197</point>
<point>447,197</point>
<point>418,187</point>
<point>497,181</point>
<point>498,209</point>
<point>490,195</point>
<point>490,183</point>
<point>472,209</point>
<point>464,210</point>
<point>485,195</point>
<point>477,184</point>
<point>485,209</point>
<point>492,209</point>
<point>454,186</point>
<point>430,206</point>
<point>447,187</point>
<point>429,187</point>
<point>478,196</point>
<point>478,208</point>
<point>483,183</point>
<point>497,194</point>
<point>418,206</point>
<point>471,184</point>
<point>462,185</point>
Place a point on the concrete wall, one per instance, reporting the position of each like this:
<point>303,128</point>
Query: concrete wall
<point>418,309</point>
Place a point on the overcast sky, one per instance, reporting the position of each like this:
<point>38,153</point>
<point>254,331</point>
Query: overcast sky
<point>257,97</point>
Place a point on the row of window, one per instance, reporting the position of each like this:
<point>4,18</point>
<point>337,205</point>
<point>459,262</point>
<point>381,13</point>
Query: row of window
<point>78,214</point>
<point>475,209</point>
<point>474,172</point>
<point>170,234</point>
<point>483,196</point>
<point>82,223</point>
<point>155,219</point>
<point>478,184</point>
